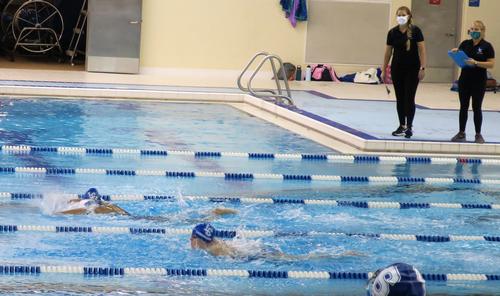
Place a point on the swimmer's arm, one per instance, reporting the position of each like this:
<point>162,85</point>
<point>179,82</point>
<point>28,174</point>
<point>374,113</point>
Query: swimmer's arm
<point>74,212</point>
<point>212,215</point>
<point>352,254</point>
<point>313,256</point>
<point>220,248</point>
<point>224,211</point>
<point>119,210</point>
<point>105,208</point>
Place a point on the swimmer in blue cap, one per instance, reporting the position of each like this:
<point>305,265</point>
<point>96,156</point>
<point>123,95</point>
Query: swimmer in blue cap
<point>203,237</point>
<point>91,202</point>
<point>398,279</point>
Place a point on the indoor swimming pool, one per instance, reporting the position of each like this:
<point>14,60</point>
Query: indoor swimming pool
<point>170,164</point>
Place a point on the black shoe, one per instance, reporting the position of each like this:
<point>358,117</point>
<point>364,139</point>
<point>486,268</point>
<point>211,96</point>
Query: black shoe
<point>408,133</point>
<point>459,137</point>
<point>479,139</point>
<point>400,131</point>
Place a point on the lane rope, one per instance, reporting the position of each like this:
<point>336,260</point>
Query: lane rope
<point>229,234</point>
<point>268,200</point>
<point>55,171</point>
<point>27,270</point>
<point>250,155</point>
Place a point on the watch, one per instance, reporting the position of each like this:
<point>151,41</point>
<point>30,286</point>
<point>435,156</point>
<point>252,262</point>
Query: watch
<point>475,63</point>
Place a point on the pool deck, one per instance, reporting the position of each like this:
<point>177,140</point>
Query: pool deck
<point>351,118</point>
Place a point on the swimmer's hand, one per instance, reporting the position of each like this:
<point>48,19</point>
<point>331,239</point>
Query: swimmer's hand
<point>224,211</point>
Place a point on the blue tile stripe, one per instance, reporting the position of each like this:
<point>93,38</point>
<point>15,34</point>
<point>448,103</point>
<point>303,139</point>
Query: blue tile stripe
<point>254,155</point>
<point>273,200</point>
<point>229,234</point>
<point>95,271</point>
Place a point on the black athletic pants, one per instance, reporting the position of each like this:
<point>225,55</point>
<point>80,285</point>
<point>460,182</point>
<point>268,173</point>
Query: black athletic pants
<point>466,90</point>
<point>405,81</point>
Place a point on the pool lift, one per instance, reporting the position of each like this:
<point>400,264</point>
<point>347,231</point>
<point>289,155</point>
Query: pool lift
<point>34,25</point>
<point>267,94</point>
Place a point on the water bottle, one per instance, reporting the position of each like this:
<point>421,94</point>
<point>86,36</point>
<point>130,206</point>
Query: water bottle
<point>308,73</point>
<point>298,74</point>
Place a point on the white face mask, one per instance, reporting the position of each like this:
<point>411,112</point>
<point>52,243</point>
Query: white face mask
<point>402,20</point>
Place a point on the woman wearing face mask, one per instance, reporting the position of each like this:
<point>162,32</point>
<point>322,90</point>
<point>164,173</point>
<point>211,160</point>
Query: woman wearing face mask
<point>472,81</point>
<point>405,44</point>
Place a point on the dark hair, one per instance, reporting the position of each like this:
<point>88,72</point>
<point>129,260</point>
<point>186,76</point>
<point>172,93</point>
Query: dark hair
<point>289,71</point>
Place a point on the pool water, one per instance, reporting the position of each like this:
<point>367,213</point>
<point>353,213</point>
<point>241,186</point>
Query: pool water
<point>207,127</point>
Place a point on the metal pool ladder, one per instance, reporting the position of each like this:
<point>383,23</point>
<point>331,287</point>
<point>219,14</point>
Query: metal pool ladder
<point>267,94</point>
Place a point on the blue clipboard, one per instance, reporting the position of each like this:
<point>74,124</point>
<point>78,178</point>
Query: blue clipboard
<point>459,58</point>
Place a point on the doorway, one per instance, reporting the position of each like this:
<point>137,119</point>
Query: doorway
<point>440,24</point>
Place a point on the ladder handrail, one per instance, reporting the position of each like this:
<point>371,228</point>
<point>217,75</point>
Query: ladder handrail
<point>240,85</point>
<point>259,92</point>
<point>275,73</point>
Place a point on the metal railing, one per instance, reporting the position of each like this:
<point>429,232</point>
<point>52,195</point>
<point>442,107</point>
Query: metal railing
<point>267,94</point>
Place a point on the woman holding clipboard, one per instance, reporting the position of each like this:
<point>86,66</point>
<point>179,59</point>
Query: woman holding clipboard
<point>472,81</point>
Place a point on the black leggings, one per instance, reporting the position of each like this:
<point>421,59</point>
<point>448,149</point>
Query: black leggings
<point>405,82</point>
<point>466,90</point>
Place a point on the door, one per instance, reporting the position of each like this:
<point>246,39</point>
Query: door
<point>440,26</point>
<point>114,36</point>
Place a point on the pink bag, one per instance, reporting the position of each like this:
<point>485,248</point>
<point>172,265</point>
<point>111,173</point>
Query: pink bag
<point>321,72</point>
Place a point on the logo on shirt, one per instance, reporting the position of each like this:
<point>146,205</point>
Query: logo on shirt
<point>479,50</point>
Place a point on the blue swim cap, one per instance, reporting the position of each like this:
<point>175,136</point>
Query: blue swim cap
<point>398,279</point>
<point>205,232</point>
<point>91,194</point>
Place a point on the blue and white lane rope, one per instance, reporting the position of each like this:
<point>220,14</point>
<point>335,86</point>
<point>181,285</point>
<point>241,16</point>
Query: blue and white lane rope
<point>269,200</point>
<point>27,270</point>
<point>268,156</point>
<point>228,234</point>
<point>245,176</point>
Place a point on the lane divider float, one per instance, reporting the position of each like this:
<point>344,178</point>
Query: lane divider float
<point>229,234</point>
<point>252,155</point>
<point>94,271</point>
<point>55,171</point>
<point>269,200</point>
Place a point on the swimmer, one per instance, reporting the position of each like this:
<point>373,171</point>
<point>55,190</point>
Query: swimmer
<point>203,237</point>
<point>396,279</point>
<point>92,203</point>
